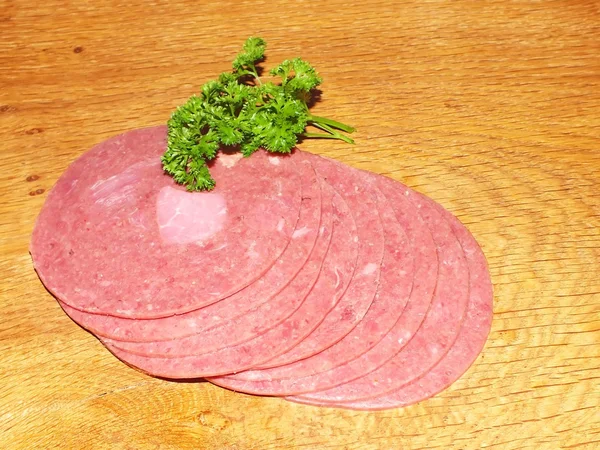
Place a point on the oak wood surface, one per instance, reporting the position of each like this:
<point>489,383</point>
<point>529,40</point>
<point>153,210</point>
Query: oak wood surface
<point>492,108</point>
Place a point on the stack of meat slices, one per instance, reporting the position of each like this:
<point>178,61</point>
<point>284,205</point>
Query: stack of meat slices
<point>297,276</point>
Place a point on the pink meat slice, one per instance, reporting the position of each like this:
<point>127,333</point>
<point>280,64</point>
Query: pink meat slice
<point>242,302</point>
<point>469,343</point>
<point>98,246</point>
<point>422,247</point>
<point>332,283</point>
<point>332,366</point>
<point>267,314</point>
<point>439,330</point>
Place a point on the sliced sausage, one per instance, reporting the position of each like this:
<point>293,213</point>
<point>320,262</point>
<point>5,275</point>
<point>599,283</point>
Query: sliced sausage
<point>469,343</point>
<point>117,237</point>
<point>439,330</point>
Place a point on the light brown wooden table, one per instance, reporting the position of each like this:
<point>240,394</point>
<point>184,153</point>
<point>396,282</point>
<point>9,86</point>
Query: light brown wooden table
<point>492,108</point>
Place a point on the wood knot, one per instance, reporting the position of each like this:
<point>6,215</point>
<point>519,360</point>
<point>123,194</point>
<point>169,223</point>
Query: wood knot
<point>213,420</point>
<point>34,131</point>
<point>78,49</point>
<point>32,178</point>
<point>37,192</point>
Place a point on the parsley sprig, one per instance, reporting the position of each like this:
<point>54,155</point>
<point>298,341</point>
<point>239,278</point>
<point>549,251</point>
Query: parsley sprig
<point>239,109</point>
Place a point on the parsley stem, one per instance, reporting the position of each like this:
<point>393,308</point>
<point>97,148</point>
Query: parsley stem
<point>255,74</point>
<point>333,133</point>
<point>330,122</point>
<point>324,136</point>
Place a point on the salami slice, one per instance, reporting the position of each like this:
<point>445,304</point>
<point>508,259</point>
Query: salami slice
<point>469,343</point>
<point>116,236</point>
<point>336,274</point>
<point>236,305</point>
<point>438,331</point>
<point>256,321</point>
<point>331,366</point>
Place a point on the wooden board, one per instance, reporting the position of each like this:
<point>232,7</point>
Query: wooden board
<point>491,108</point>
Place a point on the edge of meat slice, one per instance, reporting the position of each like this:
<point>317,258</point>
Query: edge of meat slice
<point>441,325</point>
<point>466,349</point>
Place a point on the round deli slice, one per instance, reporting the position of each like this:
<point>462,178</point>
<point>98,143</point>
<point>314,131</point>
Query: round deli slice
<point>336,273</point>
<point>469,343</point>
<point>117,236</point>
<point>219,314</point>
<point>439,330</point>
<point>267,315</point>
<point>332,366</point>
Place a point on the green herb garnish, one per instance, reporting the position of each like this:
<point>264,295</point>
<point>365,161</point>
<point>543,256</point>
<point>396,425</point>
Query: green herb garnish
<point>239,109</point>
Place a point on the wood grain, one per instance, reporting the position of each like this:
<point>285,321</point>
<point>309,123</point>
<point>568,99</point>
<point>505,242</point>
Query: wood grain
<point>490,107</point>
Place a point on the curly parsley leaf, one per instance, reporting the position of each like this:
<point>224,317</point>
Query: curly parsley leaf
<point>238,109</point>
